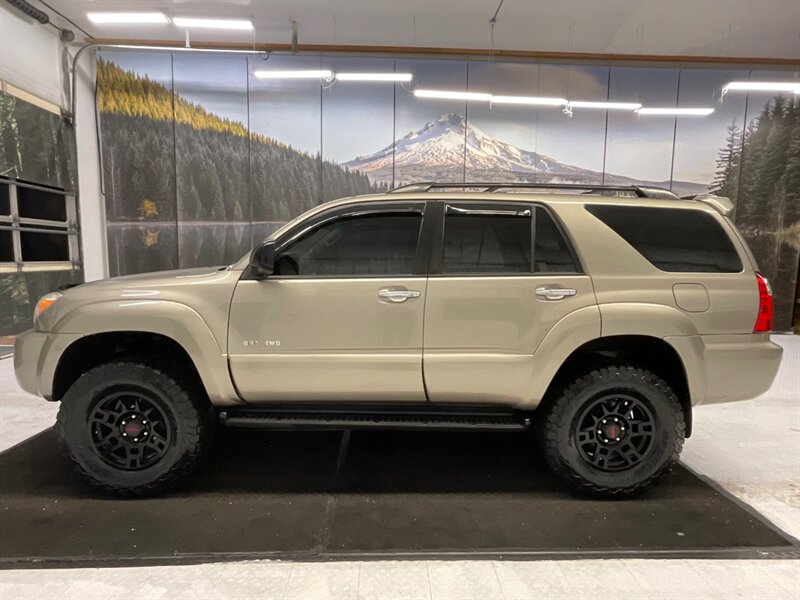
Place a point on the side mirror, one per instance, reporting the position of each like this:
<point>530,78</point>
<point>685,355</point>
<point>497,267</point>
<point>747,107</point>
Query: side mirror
<point>262,263</point>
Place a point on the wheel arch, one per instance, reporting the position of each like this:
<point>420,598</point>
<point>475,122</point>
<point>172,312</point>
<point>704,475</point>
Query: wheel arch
<point>649,352</point>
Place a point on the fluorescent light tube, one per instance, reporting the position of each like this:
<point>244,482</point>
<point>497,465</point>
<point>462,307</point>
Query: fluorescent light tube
<point>190,22</point>
<point>700,112</point>
<point>605,105</point>
<point>529,100</point>
<point>374,76</point>
<point>139,18</point>
<point>763,86</point>
<point>180,49</point>
<point>319,74</point>
<point>445,95</point>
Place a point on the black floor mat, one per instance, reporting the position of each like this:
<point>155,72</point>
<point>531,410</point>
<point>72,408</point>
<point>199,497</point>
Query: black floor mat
<point>366,493</point>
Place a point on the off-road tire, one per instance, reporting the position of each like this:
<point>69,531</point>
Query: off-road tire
<point>558,430</point>
<point>184,403</point>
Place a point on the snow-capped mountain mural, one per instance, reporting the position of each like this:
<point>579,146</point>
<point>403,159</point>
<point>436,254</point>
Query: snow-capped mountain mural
<point>444,149</point>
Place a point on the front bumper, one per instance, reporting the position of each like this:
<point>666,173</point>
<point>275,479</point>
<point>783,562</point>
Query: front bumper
<point>726,368</point>
<point>36,356</point>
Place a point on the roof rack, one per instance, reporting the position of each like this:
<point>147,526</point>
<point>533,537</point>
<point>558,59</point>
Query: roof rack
<point>488,187</point>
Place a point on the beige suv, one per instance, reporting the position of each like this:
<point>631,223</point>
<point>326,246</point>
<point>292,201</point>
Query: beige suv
<point>597,317</point>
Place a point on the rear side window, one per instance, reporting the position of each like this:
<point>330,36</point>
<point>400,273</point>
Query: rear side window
<point>491,241</point>
<point>675,240</point>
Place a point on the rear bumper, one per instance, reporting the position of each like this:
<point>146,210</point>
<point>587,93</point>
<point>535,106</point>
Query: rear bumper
<point>36,356</point>
<point>726,368</point>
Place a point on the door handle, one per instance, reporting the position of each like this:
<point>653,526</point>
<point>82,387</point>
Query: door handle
<point>555,293</point>
<point>397,295</point>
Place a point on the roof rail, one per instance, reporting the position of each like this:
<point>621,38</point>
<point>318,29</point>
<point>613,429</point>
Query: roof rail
<point>488,187</point>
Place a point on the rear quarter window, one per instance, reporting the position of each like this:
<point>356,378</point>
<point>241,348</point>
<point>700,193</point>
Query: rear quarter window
<point>672,239</point>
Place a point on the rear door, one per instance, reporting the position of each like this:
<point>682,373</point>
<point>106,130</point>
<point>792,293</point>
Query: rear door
<point>501,276</point>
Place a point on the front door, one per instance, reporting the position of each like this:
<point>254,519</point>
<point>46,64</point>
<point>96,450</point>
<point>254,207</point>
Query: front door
<point>501,277</point>
<point>341,318</point>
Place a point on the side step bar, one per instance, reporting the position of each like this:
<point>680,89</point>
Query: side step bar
<point>376,417</point>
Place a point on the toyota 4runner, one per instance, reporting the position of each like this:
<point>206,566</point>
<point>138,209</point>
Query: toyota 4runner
<point>598,317</point>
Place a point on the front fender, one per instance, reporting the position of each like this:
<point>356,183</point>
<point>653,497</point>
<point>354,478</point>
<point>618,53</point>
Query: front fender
<point>174,320</point>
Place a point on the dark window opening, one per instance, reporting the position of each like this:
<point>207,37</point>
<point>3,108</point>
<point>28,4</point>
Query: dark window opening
<point>373,244</point>
<point>673,239</point>
<point>6,246</point>
<point>41,204</point>
<point>5,199</point>
<point>44,247</point>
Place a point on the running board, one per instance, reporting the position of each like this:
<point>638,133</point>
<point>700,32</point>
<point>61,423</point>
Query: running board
<point>376,417</point>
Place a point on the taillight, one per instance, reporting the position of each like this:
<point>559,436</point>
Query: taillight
<point>764,318</point>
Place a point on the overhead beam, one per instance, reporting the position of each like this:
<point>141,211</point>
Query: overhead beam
<point>465,53</point>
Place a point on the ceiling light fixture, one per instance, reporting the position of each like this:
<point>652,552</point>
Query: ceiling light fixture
<point>528,100</point>
<point>180,49</point>
<point>374,76</point>
<point>318,74</point>
<point>191,22</point>
<point>699,112</point>
<point>604,105</point>
<point>762,86</point>
<point>138,18</point>
<point>446,95</point>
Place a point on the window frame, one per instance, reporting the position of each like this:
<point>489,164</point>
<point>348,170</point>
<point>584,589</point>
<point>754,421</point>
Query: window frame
<point>357,210</point>
<point>18,225</point>
<point>437,255</point>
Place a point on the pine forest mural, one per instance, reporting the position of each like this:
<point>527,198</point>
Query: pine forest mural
<point>197,167</point>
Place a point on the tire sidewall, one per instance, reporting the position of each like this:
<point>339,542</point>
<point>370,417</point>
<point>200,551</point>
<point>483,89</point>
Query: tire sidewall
<point>91,388</point>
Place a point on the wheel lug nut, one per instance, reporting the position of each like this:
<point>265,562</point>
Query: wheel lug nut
<point>124,434</point>
<point>135,439</point>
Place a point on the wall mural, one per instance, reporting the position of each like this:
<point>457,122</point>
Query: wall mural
<point>201,159</point>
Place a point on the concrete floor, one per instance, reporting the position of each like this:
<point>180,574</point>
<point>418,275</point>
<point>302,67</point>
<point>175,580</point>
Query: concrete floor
<point>751,448</point>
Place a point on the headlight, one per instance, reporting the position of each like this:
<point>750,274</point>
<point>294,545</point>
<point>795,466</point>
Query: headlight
<point>45,302</point>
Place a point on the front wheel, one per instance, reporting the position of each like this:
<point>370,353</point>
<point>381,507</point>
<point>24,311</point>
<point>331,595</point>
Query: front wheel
<point>131,429</point>
<point>613,431</point>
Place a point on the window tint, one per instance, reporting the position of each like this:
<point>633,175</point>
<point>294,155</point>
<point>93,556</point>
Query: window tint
<point>475,243</point>
<point>673,239</point>
<point>550,252</point>
<point>374,244</point>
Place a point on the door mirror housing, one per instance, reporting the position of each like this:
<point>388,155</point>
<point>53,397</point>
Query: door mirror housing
<point>262,263</point>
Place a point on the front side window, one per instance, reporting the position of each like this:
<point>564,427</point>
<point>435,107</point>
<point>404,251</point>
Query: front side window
<point>374,244</point>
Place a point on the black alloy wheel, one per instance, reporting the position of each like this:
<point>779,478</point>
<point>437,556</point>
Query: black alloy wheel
<point>130,430</point>
<point>615,431</point>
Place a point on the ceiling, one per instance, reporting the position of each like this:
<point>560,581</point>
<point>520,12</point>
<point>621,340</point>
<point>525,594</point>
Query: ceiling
<point>725,28</point>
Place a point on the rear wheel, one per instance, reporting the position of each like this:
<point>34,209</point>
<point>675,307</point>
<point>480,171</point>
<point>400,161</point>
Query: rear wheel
<point>131,429</point>
<point>613,431</point>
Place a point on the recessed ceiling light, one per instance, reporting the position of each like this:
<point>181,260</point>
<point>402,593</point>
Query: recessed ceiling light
<point>529,100</point>
<point>604,105</point>
<point>762,86</point>
<point>446,95</point>
<point>191,22</point>
<point>319,74</point>
<point>374,76</point>
<point>700,112</point>
<point>139,18</point>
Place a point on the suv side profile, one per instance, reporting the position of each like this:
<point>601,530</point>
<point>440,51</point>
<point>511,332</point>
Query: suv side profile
<point>597,318</point>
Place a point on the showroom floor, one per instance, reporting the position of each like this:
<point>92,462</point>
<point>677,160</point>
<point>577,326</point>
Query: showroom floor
<point>752,449</point>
